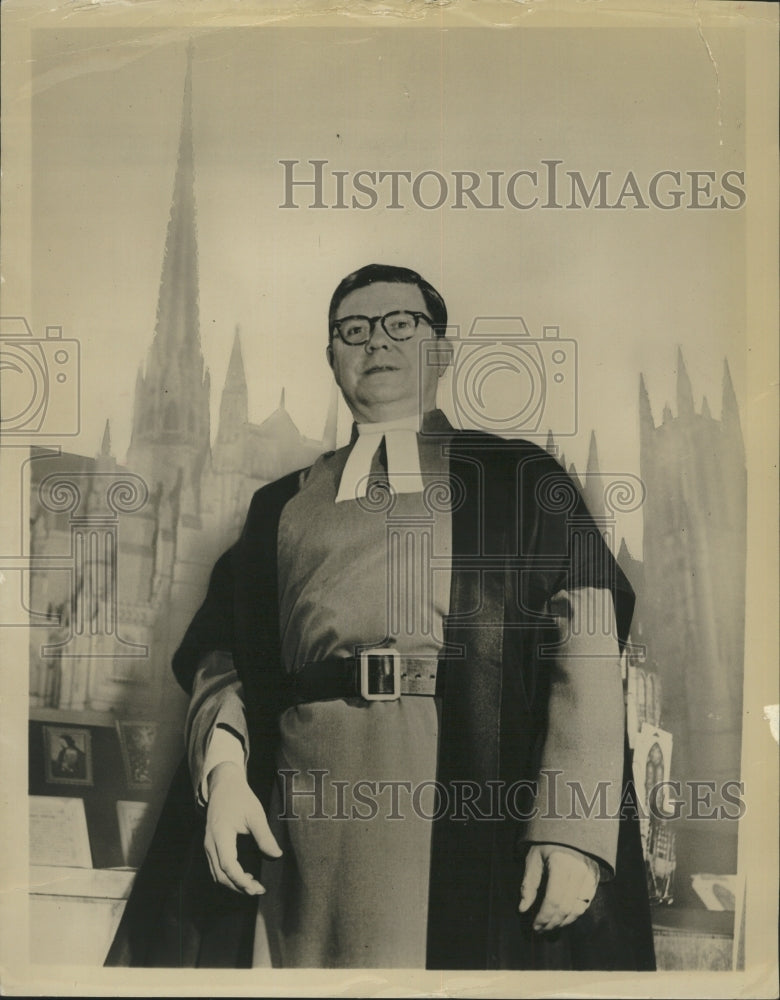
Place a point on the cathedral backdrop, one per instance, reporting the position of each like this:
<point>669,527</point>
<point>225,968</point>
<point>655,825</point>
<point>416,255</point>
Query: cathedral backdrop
<point>121,555</point>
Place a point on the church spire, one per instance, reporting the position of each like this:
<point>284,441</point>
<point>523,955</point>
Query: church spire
<point>235,380</point>
<point>593,490</point>
<point>105,444</point>
<point>593,456</point>
<point>729,414</point>
<point>171,418</point>
<point>177,306</point>
<point>104,460</point>
<point>646,422</point>
<point>234,404</point>
<point>684,390</point>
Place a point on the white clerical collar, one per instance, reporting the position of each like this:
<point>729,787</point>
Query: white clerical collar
<point>411,423</point>
<point>403,457</point>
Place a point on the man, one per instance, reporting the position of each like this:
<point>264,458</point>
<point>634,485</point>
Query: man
<point>405,622</point>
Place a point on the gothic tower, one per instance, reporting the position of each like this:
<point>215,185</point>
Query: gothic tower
<point>694,575</point>
<point>170,435</point>
<point>233,414</point>
<point>593,489</point>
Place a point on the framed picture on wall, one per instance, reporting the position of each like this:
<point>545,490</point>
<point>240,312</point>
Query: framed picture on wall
<point>68,755</point>
<point>136,740</point>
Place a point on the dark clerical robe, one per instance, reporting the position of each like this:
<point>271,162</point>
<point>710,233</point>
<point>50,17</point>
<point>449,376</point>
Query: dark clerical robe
<point>521,537</point>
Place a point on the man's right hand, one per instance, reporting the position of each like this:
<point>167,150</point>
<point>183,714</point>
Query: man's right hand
<point>234,809</point>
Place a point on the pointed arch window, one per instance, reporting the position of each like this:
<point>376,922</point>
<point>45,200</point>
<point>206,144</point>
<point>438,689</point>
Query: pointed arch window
<point>654,769</point>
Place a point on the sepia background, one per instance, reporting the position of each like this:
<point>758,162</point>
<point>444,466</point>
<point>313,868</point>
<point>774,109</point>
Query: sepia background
<point>198,305</point>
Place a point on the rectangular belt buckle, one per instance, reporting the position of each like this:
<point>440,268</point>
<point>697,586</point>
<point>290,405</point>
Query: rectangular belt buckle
<point>380,674</point>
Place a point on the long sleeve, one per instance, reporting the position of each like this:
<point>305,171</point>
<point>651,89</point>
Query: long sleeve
<point>215,728</point>
<point>223,633</point>
<point>580,783</point>
<point>212,626</point>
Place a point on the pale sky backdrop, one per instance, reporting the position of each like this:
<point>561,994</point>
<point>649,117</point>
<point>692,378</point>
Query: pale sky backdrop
<point>629,286</point>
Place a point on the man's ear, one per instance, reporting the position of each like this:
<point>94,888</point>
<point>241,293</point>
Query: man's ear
<point>329,355</point>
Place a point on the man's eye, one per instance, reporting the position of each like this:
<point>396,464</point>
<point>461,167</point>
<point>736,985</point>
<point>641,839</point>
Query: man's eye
<point>353,330</point>
<point>400,325</point>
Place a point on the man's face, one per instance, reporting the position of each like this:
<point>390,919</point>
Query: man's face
<point>383,379</point>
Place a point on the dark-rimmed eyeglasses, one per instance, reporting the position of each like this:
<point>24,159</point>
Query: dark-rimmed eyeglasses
<point>398,325</point>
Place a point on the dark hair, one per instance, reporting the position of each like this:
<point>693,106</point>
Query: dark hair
<point>372,273</point>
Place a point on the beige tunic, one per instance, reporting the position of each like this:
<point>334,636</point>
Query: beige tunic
<point>352,888</point>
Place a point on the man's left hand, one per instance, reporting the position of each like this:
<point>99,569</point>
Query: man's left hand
<point>571,883</point>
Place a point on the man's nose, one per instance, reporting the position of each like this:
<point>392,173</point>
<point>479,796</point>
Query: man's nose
<point>378,337</point>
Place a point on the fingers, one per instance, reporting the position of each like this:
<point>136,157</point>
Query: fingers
<point>584,894</point>
<point>233,809</point>
<point>556,899</point>
<point>578,910</point>
<point>261,831</point>
<point>571,886</point>
<point>223,862</point>
<point>532,877</point>
<point>231,872</point>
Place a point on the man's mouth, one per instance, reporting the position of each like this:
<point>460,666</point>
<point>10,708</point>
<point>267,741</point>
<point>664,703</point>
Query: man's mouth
<point>374,369</point>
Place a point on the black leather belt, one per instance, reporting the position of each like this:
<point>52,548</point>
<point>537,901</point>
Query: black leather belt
<point>375,675</point>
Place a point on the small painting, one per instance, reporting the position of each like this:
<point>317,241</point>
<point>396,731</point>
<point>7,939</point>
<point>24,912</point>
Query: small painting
<point>68,755</point>
<point>137,740</point>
